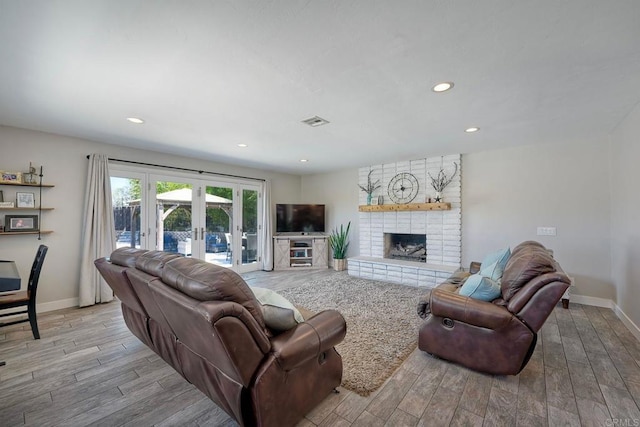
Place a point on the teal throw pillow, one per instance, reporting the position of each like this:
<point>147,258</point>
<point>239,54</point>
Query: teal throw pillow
<point>493,271</point>
<point>481,288</point>
<point>501,256</point>
<point>278,312</point>
<point>494,263</point>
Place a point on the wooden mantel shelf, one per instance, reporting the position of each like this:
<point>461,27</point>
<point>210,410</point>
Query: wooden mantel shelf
<point>407,207</point>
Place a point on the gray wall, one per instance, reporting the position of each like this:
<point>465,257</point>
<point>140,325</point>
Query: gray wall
<point>507,194</point>
<point>339,192</point>
<point>65,166</point>
<point>625,215</point>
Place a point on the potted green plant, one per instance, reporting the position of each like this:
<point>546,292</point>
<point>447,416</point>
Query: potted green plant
<point>339,242</point>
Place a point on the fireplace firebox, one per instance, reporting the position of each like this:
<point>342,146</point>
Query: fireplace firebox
<point>408,247</point>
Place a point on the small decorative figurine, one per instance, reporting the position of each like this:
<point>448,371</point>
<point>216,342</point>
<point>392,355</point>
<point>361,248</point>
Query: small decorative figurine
<point>30,177</point>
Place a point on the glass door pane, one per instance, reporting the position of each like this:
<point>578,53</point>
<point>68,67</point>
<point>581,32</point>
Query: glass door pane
<point>127,201</point>
<point>218,235</point>
<point>174,216</point>
<point>250,222</point>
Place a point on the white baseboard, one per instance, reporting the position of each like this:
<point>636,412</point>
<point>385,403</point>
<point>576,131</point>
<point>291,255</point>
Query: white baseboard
<point>44,307</point>
<point>607,303</point>
<point>633,328</point>
<point>57,305</point>
<point>594,301</point>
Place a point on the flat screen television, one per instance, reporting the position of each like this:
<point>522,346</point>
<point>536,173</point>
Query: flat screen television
<point>299,218</point>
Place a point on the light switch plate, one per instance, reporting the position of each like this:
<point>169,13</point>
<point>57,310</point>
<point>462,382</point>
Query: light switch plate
<point>546,231</point>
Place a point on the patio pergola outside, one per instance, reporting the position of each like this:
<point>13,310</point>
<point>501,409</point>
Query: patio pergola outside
<point>182,197</point>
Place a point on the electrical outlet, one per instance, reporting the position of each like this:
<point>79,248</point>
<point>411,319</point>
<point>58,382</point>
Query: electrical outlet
<point>546,231</point>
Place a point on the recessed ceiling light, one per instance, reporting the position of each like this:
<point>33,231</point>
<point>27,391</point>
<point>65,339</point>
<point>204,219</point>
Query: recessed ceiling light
<point>472,129</point>
<point>135,120</point>
<point>242,145</point>
<point>304,160</point>
<point>315,121</point>
<point>442,87</point>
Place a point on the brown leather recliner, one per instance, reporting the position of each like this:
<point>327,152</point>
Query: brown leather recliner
<point>496,337</point>
<point>206,323</point>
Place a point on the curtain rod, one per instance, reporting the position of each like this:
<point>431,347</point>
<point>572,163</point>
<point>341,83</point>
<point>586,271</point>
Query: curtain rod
<point>184,169</point>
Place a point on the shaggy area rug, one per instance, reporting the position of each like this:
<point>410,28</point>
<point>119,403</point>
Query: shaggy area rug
<point>382,324</point>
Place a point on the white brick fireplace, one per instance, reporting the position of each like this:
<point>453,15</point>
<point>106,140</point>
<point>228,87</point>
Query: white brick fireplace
<point>442,228</point>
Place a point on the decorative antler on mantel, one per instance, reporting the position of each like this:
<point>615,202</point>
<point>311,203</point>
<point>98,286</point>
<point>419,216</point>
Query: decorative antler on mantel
<point>441,181</point>
<point>371,187</point>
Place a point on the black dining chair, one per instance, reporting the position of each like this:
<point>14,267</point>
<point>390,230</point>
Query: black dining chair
<point>26,298</point>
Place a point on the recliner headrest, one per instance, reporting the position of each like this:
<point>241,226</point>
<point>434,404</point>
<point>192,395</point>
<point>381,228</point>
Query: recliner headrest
<point>525,264</point>
<point>126,257</point>
<point>152,262</point>
<point>209,282</point>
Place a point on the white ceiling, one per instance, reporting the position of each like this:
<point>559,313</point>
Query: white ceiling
<point>208,75</point>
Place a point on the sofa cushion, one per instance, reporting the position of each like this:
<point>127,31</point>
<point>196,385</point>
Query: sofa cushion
<point>480,287</point>
<point>278,312</point>
<point>525,264</point>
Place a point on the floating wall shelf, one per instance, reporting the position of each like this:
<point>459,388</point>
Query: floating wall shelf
<point>38,210</point>
<point>24,184</point>
<point>407,207</point>
<point>20,233</point>
<point>25,209</point>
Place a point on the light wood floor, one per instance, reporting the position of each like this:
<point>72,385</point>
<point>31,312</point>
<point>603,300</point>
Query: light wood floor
<point>88,369</point>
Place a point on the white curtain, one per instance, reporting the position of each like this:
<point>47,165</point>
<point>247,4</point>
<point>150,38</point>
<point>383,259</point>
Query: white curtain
<point>98,233</point>
<point>267,245</point>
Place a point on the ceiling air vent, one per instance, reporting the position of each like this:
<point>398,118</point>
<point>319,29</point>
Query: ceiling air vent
<point>315,121</point>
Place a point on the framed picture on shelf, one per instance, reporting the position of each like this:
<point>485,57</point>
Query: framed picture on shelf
<point>21,223</point>
<point>26,200</point>
<point>11,177</point>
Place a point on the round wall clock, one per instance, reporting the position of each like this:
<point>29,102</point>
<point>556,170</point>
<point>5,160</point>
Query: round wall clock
<point>403,188</point>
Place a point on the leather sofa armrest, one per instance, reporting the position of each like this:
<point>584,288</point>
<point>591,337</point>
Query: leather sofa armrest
<point>216,310</point>
<point>468,310</point>
<point>474,267</point>
<point>309,339</point>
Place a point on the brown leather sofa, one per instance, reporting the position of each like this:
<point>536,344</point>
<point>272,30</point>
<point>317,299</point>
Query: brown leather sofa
<point>205,322</point>
<point>496,337</point>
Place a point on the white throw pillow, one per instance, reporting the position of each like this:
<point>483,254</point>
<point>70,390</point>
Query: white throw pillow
<point>278,312</point>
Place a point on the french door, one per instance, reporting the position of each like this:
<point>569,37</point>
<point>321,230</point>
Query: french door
<point>251,227</point>
<point>128,197</point>
<point>231,228</point>
<point>217,221</point>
